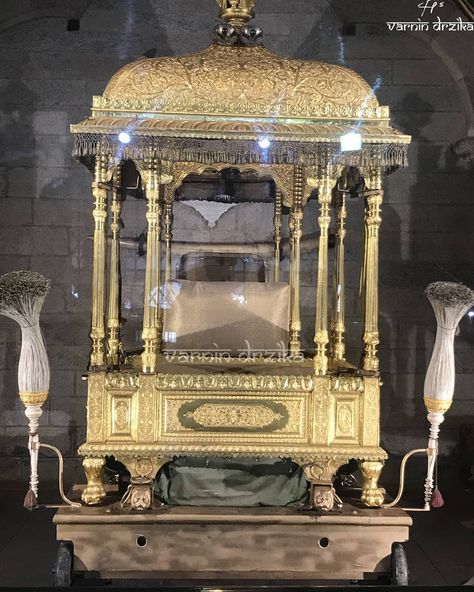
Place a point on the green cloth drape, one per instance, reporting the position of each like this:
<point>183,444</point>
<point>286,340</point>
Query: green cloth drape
<point>222,482</point>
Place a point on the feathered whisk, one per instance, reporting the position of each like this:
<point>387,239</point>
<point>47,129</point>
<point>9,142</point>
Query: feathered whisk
<point>450,302</point>
<point>22,295</point>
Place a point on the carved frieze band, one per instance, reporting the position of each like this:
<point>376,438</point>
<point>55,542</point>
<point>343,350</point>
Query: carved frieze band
<point>130,380</point>
<point>233,382</point>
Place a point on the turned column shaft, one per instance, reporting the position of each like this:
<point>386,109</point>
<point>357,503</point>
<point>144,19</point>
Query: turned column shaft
<point>151,305</point>
<point>277,233</point>
<point>337,319</point>
<point>296,218</point>
<point>373,202</point>
<point>113,320</point>
<point>99,191</point>
<point>321,326</point>
<point>168,224</point>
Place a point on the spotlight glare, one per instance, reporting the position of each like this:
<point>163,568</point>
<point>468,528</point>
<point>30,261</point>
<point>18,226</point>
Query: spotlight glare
<point>264,143</point>
<point>351,141</point>
<point>470,314</point>
<point>124,138</point>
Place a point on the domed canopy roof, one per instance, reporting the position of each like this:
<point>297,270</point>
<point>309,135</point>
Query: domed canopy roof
<point>214,106</point>
<point>239,81</point>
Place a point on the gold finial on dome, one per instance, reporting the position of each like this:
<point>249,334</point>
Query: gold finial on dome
<point>236,12</point>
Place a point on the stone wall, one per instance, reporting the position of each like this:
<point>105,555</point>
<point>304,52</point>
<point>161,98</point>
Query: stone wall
<point>47,78</point>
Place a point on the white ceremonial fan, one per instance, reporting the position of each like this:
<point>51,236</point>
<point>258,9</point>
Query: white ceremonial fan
<point>450,302</point>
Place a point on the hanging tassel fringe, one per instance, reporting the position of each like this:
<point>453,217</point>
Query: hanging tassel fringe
<point>238,151</point>
<point>31,501</point>
<point>437,500</point>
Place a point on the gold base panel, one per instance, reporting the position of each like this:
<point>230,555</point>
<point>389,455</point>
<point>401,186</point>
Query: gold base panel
<point>320,422</point>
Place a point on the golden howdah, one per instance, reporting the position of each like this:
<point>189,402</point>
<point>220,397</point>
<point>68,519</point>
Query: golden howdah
<point>199,114</point>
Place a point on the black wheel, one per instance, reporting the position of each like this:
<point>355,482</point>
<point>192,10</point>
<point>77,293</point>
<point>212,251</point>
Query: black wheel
<point>399,567</point>
<point>63,568</point>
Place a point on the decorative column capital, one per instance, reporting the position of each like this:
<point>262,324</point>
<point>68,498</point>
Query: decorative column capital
<point>315,175</point>
<point>155,172</point>
<point>166,172</point>
<point>373,178</point>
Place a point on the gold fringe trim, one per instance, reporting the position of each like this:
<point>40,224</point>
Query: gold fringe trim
<point>208,151</point>
<point>437,405</point>
<point>33,398</point>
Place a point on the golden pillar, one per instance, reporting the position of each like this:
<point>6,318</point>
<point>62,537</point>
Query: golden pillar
<point>296,218</point>
<point>277,233</point>
<point>373,201</point>
<point>113,317</point>
<point>337,344</point>
<point>151,305</point>
<point>99,191</point>
<point>321,326</point>
<point>168,223</point>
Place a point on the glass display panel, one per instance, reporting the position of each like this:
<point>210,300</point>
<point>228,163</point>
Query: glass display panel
<point>225,317</point>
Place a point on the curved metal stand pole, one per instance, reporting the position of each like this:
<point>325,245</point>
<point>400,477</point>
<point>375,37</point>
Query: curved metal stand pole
<point>60,478</point>
<point>402,481</point>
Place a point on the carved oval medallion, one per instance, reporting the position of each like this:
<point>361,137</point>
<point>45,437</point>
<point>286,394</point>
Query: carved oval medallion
<point>231,416</point>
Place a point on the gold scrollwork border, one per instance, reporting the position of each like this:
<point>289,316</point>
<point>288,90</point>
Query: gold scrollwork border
<point>245,382</point>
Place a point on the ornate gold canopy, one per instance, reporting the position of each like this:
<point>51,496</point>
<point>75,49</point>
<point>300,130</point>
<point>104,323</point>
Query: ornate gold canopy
<point>238,90</point>
<point>238,81</point>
